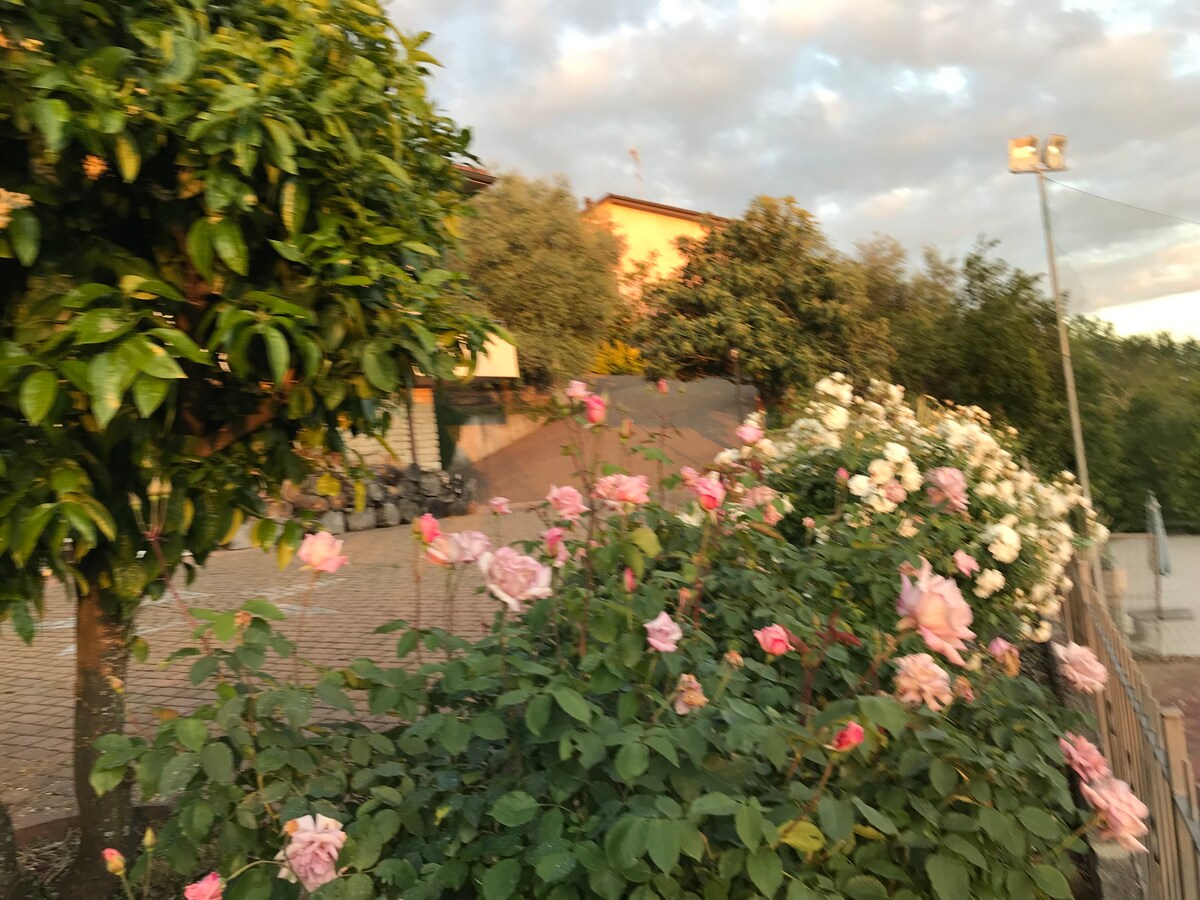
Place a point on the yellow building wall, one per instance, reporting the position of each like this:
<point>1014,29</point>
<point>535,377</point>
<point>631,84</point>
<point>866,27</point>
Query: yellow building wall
<point>649,236</point>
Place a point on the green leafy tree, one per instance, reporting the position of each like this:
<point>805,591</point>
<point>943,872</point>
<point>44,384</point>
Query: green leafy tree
<point>769,286</point>
<point>546,271</point>
<point>221,233</point>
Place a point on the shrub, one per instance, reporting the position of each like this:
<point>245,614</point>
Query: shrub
<point>672,705</point>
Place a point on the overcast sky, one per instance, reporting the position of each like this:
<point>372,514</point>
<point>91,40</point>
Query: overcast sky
<point>877,115</point>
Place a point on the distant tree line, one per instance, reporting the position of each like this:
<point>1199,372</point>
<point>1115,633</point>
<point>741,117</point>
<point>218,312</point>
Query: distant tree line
<point>770,286</point>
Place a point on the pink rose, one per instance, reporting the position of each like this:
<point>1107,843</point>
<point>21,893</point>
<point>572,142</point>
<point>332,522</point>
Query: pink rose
<point>965,563</point>
<point>948,485</point>
<point>710,492</point>
<point>764,497</point>
<point>895,491</point>
<point>689,695</point>
<point>556,545</point>
<point>500,506</point>
<point>630,581</point>
<point>1078,664</point>
<point>689,476</point>
<point>595,408</point>
<point>321,552</point>
<point>848,737</point>
<point>661,386</point>
<point>809,522</point>
<point>774,639</point>
<point>428,527</point>
<point>311,854</point>
<point>963,689</point>
<point>567,502</point>
<point>1084,757</point>
<point>1122,813</point>
<point>513,578</point>
<point>455,549</point>
<point>662,634</point>
<point>618,490</point>
<point>1006,654</point>
<point>749,434</point>
<point>114,861</point>
<point>921,680</point>
<point>935,607</point>
<point>843,474</point>
<point>207,888</point>
<point>578,391</point>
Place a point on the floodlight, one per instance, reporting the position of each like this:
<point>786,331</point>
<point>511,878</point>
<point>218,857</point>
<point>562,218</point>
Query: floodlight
<point>1023,154</point>
<point>1054,156</point>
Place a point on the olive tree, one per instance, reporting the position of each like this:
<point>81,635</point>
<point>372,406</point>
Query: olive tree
<point>221,232</point>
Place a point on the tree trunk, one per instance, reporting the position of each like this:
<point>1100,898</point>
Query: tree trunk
<point>102,655</point>
<point>13,885</point>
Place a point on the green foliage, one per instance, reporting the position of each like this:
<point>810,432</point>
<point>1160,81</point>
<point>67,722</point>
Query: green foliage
<point>237,214</point>
<point>769,286</point>
<point>557,757</point>
<point>549,274</point>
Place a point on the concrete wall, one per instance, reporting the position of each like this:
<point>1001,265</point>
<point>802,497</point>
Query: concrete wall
<point>398,438</point>
<point>1177,633</point>
<point>481,436</point>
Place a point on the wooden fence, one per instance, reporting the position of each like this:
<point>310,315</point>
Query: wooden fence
<point>1146,746</point>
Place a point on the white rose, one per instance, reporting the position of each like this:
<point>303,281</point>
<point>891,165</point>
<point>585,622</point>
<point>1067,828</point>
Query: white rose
<point>896,453</point>
<point>988,582</point>
<point>836,418</point>
<point>1043,632</point>
<point>766,447</point>
<point>726,457</point>
<point>907,528</point>
<point>881,471</point>
<point>859,485</point>
<point>880,503</point>
<point>910,477</point>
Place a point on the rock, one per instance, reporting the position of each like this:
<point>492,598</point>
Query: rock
<point>360,521</point>
<point>290,492</point>
<point>333,522</point>
<point>431,484</point>
<point>279,510</point>
<point>311,502</point>
<point>408,511</point>
<point>376,492</point>
<point>459,507</point>
<point>386,515</point>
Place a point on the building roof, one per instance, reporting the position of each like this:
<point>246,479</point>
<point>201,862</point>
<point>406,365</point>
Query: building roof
<point>477,179</point>
<point>662,209</point>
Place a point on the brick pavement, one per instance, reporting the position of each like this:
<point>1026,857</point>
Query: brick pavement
<point>377,586</point>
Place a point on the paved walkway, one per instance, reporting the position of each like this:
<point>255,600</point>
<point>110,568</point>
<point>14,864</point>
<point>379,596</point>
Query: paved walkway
<point>377,586</point>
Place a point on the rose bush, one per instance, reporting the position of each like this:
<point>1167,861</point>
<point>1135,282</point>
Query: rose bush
<point>777,691</point>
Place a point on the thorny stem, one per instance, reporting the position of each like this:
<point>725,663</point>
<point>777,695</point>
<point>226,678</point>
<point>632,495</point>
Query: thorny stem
<point>303,619</point>
<point>812,801</point>
<point>416,568</point>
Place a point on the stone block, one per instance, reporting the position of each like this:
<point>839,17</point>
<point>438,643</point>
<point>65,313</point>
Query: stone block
<point>409,511</point>
<point>387,515</point>
<point>333,522</point>
<point>360,521</point>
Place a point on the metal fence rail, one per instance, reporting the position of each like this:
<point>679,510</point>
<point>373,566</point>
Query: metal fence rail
<point>1146,746</point>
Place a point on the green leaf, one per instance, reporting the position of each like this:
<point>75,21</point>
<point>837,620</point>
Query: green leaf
<point>1052,881</point>
<point>263,608</point>
<point>489,726</point>
<point>500,881</point>
<point>161,364</point>
<point>573,704</point>
<point>943,777</point>
<point>332,695</point>
<point>278,354</point>
<point>380,367</point>
<point>200,247</point>
<point>765,870</point>
<point>217,761</point>
<point>51,116</point>
<point>230,245</point>
<point>178,772</point>
<point>715,804</point>
<point>663,842</point>
<point>293,205</point>
<point>25,234</point>
<point>555,866</point>
<point>864,887</point>
<point>837,817</point>
<point>356,887</point>
<point>537,713</point>
<point>514,808</point>
<point>632,761</point>
<point>804,836</point>
<point>876,818</point>
<point>948,877</point>
<point>646,541</point>
<point>104,780</point>
<point>106,383</point>
<point>1040,822</point>
<point>192,733</point>
<point>887,712</point>
<point>148,394</point>
<point>38,393</point>
<point>129,159</point>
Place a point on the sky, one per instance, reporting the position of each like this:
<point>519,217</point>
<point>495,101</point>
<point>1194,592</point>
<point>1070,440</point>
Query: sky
<point>879,116</point>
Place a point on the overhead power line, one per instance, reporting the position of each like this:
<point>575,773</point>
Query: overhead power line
<point>1122,203</point>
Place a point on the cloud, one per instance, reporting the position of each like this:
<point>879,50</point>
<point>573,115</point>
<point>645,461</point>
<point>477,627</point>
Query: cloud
<point>886,116</point>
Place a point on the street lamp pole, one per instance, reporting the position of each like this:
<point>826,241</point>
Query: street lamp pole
<point>1024,156</point>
